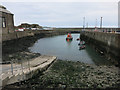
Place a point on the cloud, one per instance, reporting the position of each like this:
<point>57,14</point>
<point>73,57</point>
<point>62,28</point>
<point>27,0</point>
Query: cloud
<point>63,14</point>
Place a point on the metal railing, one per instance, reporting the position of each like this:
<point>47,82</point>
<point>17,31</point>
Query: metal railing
<point>15,66</point>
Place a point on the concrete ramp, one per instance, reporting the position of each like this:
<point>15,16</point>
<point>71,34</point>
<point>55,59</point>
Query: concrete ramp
<point>36,65</point>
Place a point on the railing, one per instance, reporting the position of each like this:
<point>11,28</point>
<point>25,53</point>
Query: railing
<point>14,67</point>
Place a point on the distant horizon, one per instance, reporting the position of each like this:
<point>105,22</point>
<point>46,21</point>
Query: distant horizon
<point>70,26</point>
<point>73,26</point>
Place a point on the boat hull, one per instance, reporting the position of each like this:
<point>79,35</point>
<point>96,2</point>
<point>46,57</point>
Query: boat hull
<point>82,47</point>
<point>69,38</point>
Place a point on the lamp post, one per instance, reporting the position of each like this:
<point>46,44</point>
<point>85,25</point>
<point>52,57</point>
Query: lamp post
<point>84,23</point>
<point>101,22</point>
<point>96,25</point>
<point>87,25</point>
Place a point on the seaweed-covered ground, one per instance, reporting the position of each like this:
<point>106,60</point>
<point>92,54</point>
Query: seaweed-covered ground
<point>69,74</point>
<point>18,49</point>
<point>20,57</point>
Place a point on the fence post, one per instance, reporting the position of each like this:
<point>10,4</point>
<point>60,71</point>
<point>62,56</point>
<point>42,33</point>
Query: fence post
<point>22,66</point>
<point>22,69</point>
<point>29,65</point>
<point>12,66</point>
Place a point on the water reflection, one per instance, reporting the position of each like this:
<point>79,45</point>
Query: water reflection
<point>68,42</point>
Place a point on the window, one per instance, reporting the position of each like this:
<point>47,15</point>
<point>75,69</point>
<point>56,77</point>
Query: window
<point>3,22</point>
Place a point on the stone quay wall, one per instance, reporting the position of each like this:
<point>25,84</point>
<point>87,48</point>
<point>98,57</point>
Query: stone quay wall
<point>108,43</point>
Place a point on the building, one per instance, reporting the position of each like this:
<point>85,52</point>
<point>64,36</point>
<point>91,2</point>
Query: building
<point>6,21</point>
<point>119,14</point>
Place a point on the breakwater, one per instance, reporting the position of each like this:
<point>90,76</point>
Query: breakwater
<point>107,43</point>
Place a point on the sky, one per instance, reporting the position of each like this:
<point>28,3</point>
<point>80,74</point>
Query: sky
<point>64,14</point>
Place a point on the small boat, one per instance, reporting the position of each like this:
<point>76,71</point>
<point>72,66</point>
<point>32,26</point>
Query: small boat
<point>82,47</point>
<point>78,39</point>
<point>82,43</point>
<point>69,37</point>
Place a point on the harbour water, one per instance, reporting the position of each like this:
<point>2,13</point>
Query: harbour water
<point>68,50</point>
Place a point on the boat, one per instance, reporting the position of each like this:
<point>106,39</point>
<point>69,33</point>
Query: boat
<point>69,37</point>
<point>82,47</point>
<point>78,39</point>
<point>82,43</point>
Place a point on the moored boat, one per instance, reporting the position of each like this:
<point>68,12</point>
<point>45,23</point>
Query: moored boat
<point>78,39</point>
<point>81,43</point>
<point>69,37</point>
<point>82,47</point>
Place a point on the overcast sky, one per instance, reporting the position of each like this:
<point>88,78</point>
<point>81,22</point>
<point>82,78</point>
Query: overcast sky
<point>62,14</point>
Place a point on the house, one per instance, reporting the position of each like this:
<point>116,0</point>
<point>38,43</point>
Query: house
<point>6,21</point>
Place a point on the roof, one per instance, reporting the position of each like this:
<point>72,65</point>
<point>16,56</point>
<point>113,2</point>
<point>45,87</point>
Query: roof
<point>3,9</point>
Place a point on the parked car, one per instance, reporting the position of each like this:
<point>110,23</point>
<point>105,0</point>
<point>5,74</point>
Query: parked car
<point>20,29</point>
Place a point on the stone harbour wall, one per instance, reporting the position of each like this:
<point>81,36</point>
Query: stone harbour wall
<point>108,43</point>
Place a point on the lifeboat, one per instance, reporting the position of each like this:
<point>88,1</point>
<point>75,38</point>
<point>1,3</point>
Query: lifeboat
<point>69,37</point>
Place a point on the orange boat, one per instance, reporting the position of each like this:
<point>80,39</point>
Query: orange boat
<point>69,37</point>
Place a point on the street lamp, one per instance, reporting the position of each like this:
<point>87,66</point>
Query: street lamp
<point>101,22</point>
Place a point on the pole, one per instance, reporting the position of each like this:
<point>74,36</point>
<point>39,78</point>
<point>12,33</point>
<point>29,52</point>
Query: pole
<point>12,67</point>
<point>84,23</point>
<point>22,66</point>
<point>22,69</point>
<point>87,25</point>
<point>29,65</point>
<point>96,24</point>
<point>101,23</point>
